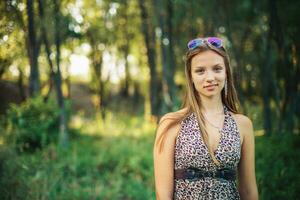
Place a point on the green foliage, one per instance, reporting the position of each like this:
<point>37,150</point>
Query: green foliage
<point>33,124</point>
<point>12,184</point>
<point>116,163</point>
<point>93,168</point>
<point>277,166</point>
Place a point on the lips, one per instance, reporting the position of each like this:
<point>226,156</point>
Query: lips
<point>208,86</point>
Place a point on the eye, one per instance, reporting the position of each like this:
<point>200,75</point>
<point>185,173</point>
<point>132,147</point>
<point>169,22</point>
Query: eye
<point>201,71</point>
<point>218,68</point>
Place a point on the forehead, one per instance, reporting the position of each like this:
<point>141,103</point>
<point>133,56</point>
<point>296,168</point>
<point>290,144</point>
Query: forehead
<point>207,59</point>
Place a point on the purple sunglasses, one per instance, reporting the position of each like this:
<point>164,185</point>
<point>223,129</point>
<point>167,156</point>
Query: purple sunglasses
<point>214,41</point>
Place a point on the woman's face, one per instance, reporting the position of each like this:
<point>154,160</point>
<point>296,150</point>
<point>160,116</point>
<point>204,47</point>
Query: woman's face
<point>208,73</point>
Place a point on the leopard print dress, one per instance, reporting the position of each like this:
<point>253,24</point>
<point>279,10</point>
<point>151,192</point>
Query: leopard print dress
<point>191,151</point>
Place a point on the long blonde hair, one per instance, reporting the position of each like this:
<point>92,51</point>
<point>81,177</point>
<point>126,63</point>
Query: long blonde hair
<point>192,101</point>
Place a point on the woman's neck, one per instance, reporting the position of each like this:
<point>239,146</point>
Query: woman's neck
<point>212,105</point>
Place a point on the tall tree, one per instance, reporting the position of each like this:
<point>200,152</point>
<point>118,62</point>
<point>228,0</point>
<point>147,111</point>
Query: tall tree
<point>96,56</point>
<point>290,71</point>
<point>149,37</point>
<point>99,37</point>
<point>266,81</point>
<point>33,46</point>
<point>63,131</point>
<point>164,17</point>
<point>125,46</point>
<point>47,45</point>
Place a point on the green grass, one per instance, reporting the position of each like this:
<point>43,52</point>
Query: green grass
<point>105,160</point>
<point>112,159</point>
<point>93,168</point>
<point>277,166</point>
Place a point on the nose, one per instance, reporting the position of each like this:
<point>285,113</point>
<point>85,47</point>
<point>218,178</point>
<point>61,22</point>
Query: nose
<point>210,76</point>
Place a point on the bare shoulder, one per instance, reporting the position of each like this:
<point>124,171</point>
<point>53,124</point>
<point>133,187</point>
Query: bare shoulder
<point>171,116</point>
<point>169,123</point>
<point>244,124</point>
<point>243,120</point>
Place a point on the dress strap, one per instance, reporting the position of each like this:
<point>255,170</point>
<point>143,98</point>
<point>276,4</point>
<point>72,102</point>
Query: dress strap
<point>226,110</point>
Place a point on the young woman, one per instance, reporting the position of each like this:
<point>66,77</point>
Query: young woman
<point>204,149</point>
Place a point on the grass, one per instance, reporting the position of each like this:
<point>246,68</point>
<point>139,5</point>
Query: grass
<point>109,159</point>
<point>93,168</point>
<point>277,166</point>
<point>112,159</point>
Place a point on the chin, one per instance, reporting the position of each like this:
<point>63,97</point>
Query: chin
<point>212,94</point>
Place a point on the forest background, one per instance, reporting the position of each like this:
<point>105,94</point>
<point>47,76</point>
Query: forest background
<point>83,84</point>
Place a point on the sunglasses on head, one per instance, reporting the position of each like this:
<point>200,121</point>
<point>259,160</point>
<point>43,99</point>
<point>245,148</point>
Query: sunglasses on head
<point>214,41</point>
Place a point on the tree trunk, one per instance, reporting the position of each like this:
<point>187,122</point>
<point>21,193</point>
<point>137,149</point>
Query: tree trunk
<point>126,52</point>
<point>127,74</point>
<point>97,60</point>
<point>165,24</point>
<point>33,51</point>
<point>149,37</point>
<point>171,54</point>
<point>63,132</point>
<point>47,49</point>
<point>289,73</point>
<point>21,84</point>
<point>68,83</point>
<point>266,81</point>
<point>50,82</point>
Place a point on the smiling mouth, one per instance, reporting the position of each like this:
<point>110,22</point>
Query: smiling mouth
<point>210,85</point>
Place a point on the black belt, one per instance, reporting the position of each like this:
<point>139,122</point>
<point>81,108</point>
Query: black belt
<point>195,174</point>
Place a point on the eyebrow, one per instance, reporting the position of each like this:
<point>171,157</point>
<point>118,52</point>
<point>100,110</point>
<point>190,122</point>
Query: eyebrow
<point>216,65</point>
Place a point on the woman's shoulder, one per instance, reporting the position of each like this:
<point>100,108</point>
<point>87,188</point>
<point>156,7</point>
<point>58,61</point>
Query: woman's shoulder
<point>244,124</point>
<point>170,122</point>
<point>243,120</point>
<point>172,117</point>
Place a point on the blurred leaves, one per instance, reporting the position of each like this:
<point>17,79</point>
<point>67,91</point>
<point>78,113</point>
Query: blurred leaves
<point>32,125</point>
<point>111,157</point>
<point>277,164</point>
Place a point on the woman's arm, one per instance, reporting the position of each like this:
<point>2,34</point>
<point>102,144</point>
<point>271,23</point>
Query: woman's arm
<point>246,169</point>
<point>164,160</point>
